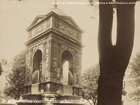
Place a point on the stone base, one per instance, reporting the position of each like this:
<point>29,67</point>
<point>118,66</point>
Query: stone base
<point>43,98</point>
<point>72,98</point>
<point>30,97</point>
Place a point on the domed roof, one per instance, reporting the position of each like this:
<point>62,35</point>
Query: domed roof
<point>57,11</point>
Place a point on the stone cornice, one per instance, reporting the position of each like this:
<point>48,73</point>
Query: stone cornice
<point>46,33</point>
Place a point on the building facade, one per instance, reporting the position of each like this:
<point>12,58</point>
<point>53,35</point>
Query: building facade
<point>54,38</point>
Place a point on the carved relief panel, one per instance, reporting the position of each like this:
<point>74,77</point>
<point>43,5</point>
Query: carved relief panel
<point>39,28</point>
<point>68,30</point>
<point>55,65</point>
<point>56,24</point>
<point>28,67</point>
<point>78,70</point>
<point>47,58</point>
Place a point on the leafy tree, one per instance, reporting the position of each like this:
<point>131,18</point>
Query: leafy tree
<point>113,59</point>
<point>123,91</point>
<point>0,69</point>
<point>17,76</point>
<point>90,83</point>
<point>135,77</point>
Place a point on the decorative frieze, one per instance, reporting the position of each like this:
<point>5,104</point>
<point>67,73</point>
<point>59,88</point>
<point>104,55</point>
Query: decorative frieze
<point>34,48</point>
<point>40,28</point>
<point>63,47</point>
<point>56,24</point>
<point>40,47</point>
<point>67,30</point>
<point>71,50</point>
<point>48,23</point>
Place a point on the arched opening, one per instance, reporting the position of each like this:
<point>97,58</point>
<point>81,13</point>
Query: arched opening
<point>67,68</point>
<point>37,66</point>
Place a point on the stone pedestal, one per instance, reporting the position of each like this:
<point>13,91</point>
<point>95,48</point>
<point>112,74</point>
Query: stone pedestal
<point>67,90</point>
<point>30,97</point>
<point>50,99</point>
<point>35,88</point>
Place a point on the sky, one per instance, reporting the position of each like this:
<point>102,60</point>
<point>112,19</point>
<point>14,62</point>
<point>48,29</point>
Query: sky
<point>16,16</point>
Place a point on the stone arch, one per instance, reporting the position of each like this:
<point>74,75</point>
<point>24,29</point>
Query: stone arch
<point>66,47</point>
<point>37,66</point>
<point>67,56</point>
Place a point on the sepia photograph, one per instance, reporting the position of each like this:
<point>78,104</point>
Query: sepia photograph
<point>69,52</point>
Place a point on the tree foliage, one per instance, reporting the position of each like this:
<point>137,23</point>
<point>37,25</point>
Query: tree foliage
<point>90,83</point>
<point>123,91</point>
<point>135,77</point>
<point>17,76</point>
<point>0,69</point>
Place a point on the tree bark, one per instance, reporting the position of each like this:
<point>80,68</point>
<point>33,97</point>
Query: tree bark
<point>113,60</point>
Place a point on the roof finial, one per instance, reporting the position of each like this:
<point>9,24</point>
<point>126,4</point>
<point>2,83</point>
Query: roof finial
<point>55,5</point>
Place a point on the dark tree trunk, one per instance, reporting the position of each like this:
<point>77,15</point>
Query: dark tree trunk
<point>113,60</point>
